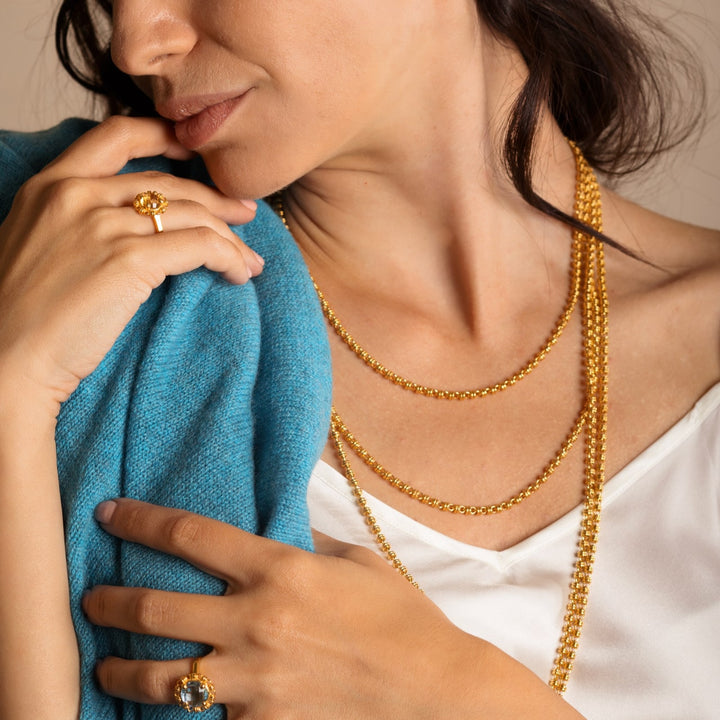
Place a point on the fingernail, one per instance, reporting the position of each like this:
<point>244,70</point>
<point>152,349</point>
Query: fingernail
<point>104,511</point>
<point>249,204</point>
<point>256,265</point>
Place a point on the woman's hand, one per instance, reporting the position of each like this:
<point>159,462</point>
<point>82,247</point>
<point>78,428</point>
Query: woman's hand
<point>76,261</point>
<point>297,635</point>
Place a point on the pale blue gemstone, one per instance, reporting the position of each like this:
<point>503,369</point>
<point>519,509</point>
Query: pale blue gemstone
<point>194,694</point>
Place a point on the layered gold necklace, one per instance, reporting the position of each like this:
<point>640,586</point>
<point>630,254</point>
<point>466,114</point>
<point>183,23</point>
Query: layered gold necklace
<point>587,286</point>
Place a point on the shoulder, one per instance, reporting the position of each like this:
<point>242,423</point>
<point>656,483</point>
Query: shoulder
<point>672,254</point>
<point>666,305</point>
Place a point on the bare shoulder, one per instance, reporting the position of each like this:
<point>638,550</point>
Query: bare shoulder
<point>665,310</point>
<point>680,257</point>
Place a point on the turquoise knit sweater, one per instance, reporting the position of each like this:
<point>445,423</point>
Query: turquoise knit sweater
<point>215,398</point>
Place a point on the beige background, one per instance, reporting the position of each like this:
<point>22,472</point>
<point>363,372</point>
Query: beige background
<point>35,94</point>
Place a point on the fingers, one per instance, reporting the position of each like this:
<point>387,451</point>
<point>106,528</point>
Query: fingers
<point>151,260</point>
<point>105,150</point>
<point>120,190</point>
<point>356,554</point>
<point>81,194</point>
<point>153,683</point>
<point>180,616</point>
<point>193,210</point>
<point>217,548</point>
<point>108,147</point>
<point>191,237</point>
<point>143,681</point>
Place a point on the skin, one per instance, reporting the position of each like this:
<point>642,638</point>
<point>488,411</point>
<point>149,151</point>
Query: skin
<point>401,207</point>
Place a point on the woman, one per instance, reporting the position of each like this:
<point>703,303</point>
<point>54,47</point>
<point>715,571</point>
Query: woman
<point>390,127</point>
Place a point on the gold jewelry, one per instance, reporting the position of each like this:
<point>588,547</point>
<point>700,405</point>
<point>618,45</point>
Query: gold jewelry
<point>444,505</point>
<point>152,204</point>
<point>195,692</point>
<point>588,210</point>
<point>437,393</point>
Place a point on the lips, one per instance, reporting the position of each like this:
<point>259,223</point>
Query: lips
<point>198,119</point>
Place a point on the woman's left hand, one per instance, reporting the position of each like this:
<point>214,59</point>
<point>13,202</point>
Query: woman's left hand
<point>301,635</point>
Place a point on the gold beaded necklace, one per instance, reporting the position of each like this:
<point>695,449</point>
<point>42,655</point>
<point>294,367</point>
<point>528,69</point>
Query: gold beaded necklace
<point>453,507</point>
<point>437,393</point>
<point>592,288</point>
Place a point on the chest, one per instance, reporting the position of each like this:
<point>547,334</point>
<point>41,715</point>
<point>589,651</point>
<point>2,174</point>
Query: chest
<point>653,593</point>
<point>524,442</point>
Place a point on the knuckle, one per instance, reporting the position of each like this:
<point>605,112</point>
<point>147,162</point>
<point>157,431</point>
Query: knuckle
<point>275,619</point>
<point>129,263</point>
<point>152,684</point>
<point>160,179</point>
<point>182,531</point>
<point>274,625</point>
<point>151,611</point>
<point>101,217</point>
<point>207,236</point>
<point>271,691</point>
<point>298,566</point>
<point>119,125</point>
<point>65,194</point>
<point>130,260</point>
<point>129,254</point>
<point>290,569</point>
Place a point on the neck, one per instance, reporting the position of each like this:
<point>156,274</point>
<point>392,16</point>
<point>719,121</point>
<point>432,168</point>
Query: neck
<point>422,201</point>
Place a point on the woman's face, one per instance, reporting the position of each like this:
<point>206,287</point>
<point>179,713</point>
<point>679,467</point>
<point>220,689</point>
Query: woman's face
<point>275,88</point>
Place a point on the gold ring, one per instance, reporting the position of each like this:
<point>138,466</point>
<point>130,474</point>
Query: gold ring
<point>153,204</point>
<point>195,692</point>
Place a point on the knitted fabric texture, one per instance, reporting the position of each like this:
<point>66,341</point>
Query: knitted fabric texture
<point>215,398</point>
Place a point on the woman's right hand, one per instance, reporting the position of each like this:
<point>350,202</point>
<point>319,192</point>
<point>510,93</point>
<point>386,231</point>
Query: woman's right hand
<point>77,261</point>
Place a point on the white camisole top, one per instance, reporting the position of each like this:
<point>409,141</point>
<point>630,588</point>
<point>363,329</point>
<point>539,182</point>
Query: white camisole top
<point>650,646</point>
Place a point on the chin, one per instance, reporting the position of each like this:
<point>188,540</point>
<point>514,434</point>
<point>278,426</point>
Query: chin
<point>243,175</point>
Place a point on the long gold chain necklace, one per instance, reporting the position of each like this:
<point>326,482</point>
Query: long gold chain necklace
<point>453,507</point>
<point>588,209</point>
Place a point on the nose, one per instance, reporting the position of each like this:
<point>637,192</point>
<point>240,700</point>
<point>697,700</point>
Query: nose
<point>148,35</point>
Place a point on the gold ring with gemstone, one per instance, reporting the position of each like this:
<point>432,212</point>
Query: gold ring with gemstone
<point>152,204</point>
<point>195,692</point>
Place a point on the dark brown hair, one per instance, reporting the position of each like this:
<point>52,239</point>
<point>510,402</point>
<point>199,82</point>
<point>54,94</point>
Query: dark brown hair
<point>83,45</point>
<point>610,74</point>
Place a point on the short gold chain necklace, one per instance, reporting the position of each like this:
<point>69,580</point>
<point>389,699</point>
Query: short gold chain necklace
<point>593,290</point>
<point>419,389</point>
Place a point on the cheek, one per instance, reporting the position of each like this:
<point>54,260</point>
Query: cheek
<point>313,107</point>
